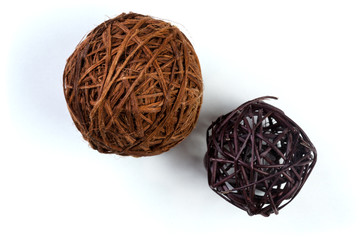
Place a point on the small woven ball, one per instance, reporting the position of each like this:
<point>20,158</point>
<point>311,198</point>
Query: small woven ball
<point>257,158</point>
<point>133,86</point>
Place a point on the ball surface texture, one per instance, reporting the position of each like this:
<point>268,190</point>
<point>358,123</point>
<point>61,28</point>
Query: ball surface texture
<point>258,159</point>
<point>133,86</point>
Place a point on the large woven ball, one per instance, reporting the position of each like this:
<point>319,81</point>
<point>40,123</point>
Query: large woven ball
<point>133,86</point>
<point>258,159</point>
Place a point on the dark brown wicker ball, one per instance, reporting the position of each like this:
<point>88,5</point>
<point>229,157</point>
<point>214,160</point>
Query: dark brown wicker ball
<point>133,86</point>
<point>258,159</point>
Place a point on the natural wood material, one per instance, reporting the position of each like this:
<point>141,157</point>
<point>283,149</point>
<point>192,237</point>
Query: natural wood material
<point>258,159</point>
<point>133,86</point>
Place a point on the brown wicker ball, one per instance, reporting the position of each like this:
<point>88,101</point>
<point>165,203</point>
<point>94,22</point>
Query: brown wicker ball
<point>258,159</point>
<point>133,86</point>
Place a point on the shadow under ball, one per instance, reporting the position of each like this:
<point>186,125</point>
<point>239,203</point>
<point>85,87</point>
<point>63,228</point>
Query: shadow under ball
<point>133,86</point>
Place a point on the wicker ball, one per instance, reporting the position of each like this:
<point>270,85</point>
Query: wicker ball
<point>258,159</point>
<point>133,86</point>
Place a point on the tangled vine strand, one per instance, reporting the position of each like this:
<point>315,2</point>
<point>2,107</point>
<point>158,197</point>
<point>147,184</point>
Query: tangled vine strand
<point>258,159</point>
<point>133,86</point>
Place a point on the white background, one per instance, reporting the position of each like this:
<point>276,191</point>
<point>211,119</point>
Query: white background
<point>54,186</point>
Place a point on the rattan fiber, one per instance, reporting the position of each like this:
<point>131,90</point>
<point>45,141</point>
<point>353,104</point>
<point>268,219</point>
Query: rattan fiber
<point>133,86</point>
<point>258,159</point>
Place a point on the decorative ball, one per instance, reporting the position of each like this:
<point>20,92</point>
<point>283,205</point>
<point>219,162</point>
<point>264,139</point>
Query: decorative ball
<point>257,158</point>
<point>133,86</point>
